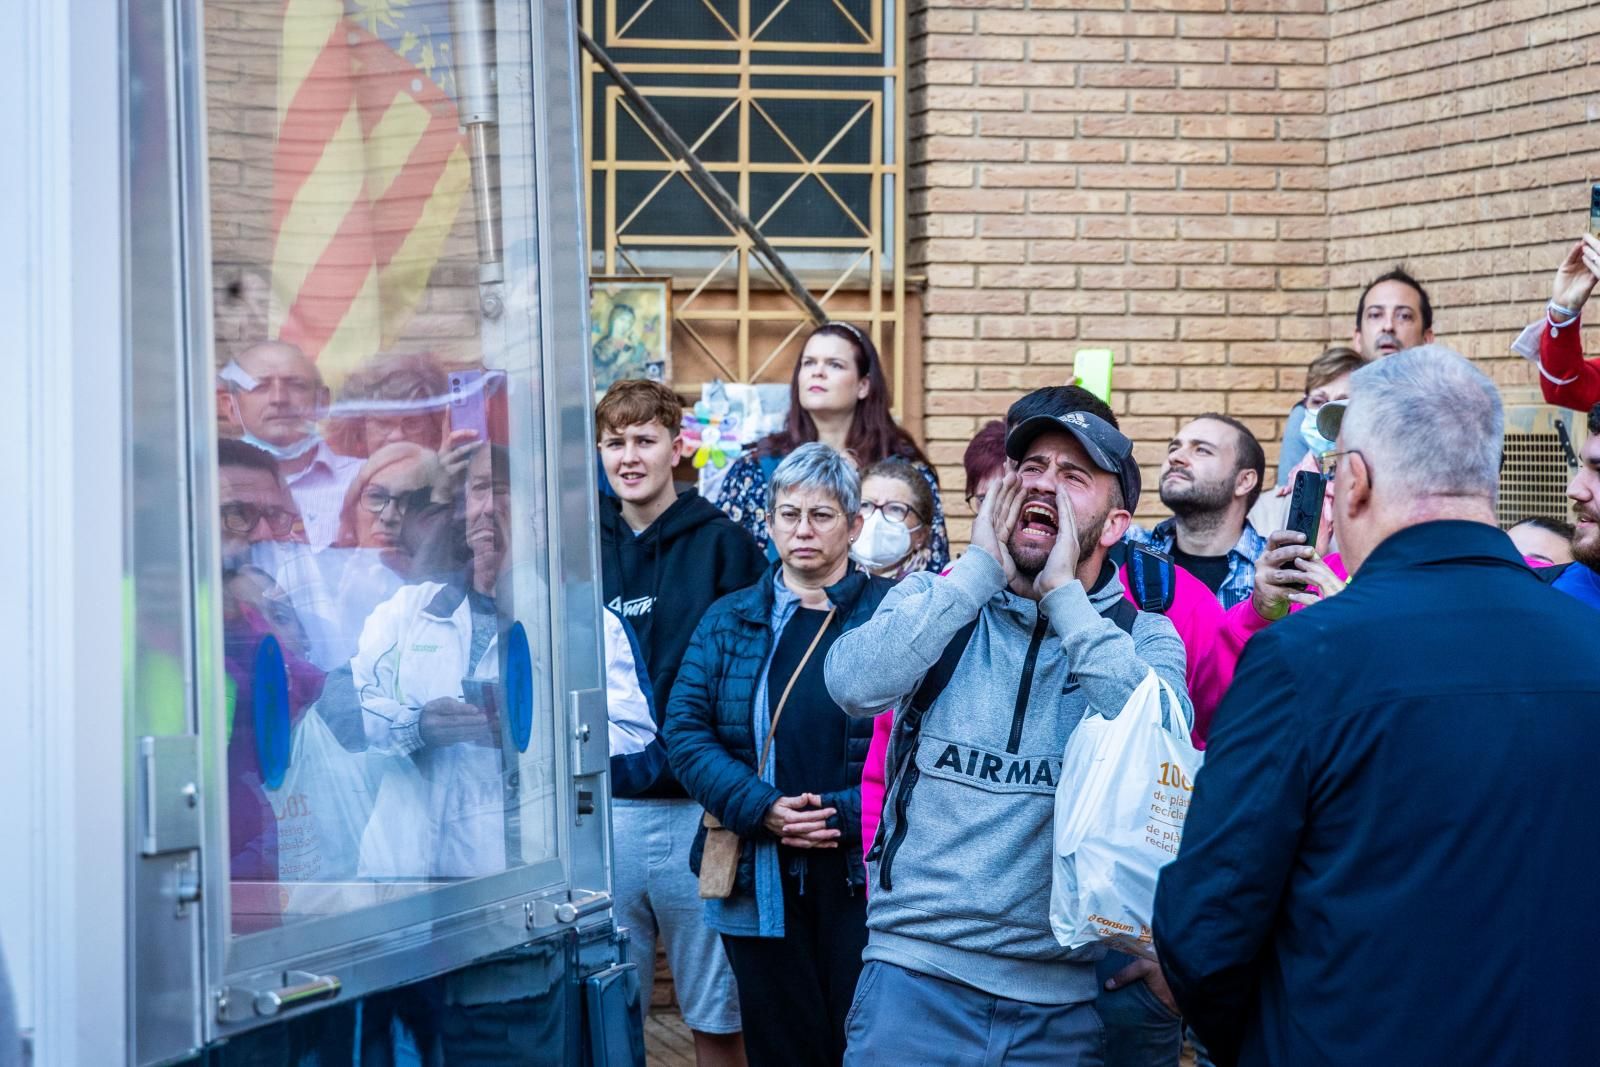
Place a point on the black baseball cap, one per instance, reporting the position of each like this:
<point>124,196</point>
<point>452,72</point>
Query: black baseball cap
<point>1107,447</point>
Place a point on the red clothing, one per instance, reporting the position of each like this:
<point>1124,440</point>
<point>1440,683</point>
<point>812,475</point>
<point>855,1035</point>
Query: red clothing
<point>1200,622</point>
<point>1565,377</point>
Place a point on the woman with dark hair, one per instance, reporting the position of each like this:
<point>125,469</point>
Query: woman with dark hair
<point>839,396</point>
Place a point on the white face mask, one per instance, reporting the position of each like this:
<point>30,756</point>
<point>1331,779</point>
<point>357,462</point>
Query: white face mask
<point>1318,444</point>
<point>882,543</point>
<point>281,453</point>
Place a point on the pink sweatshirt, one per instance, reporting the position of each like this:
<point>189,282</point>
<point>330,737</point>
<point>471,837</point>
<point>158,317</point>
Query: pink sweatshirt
<point>1213,648</point>
<point>1242,622</point>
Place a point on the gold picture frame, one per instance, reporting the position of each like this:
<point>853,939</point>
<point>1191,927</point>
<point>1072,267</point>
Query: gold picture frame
<point>630,328</point>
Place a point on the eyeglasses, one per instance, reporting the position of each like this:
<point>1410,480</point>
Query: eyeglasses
<point>894,511</point>
<point>1329,463</point>
<point>788,518</point>
<point>243,518</point>
<point>375,499</point>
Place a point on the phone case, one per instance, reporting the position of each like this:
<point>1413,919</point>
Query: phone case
<point>1091,368</point>
<point>1305,505</point>
<point>468,403</point>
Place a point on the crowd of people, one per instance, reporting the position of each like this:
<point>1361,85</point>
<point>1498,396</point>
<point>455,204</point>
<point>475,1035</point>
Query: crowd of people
<point>837,747</point>
<point>889,890</point>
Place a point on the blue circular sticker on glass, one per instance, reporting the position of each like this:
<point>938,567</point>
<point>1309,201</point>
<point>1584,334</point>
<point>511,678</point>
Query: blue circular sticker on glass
<point>519,686</point>
<point>269,700</point>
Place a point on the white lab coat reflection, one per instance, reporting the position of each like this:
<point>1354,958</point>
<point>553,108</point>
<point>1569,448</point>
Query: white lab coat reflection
<point>441,811</point>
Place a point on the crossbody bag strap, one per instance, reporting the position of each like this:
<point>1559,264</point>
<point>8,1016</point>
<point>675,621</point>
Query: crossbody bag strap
<point>777,712</point>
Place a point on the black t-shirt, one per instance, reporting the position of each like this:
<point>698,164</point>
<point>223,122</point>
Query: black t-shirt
<point>1212,570</point>
<point>813,730</point>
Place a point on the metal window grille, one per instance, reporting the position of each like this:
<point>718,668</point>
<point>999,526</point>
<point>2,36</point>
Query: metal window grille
<point>798,108</point>
<point>1535,470</point>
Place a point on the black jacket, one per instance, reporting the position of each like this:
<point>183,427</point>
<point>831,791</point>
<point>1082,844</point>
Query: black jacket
<point>710,739</point>
<point>663,580</point>
<point>1391,857</point>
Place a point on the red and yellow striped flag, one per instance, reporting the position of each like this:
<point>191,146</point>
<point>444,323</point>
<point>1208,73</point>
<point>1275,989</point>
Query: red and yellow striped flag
<point>370,169</point>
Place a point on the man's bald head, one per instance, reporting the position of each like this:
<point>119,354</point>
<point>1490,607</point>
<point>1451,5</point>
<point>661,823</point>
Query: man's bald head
<point>277,392</point>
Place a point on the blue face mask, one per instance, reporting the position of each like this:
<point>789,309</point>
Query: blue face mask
<point>1318,444</point>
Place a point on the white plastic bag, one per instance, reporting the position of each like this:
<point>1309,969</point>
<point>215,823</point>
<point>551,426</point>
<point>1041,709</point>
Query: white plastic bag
<point>1120,805</point>
<point>322,807</point>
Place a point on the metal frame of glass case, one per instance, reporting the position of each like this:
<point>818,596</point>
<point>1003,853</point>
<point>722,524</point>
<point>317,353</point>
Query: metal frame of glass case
<point>189,980</point>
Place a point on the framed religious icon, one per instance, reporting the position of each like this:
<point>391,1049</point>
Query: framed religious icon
<point>630,329</point>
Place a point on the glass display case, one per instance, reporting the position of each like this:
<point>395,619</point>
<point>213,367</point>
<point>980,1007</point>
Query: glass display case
<point>366,731</point>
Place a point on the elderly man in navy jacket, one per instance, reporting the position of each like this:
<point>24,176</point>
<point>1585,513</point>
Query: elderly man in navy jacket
<point>1390,857</point>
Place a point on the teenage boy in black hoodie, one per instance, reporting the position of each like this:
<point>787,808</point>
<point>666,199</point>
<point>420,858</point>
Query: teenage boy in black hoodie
<point>665,556</point>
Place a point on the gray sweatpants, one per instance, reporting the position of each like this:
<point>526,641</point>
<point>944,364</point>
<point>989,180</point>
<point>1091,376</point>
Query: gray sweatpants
<point>902,1016</point>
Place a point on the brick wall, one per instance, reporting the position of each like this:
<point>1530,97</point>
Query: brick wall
<point>1203,185</point>
<point>1466,152</point>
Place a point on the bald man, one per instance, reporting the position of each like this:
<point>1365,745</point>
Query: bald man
<point>274,394</point>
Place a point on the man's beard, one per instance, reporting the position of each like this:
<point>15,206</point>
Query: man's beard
<point>1030,559</point>
<point>1586,546</point>
<point>1186,497</point>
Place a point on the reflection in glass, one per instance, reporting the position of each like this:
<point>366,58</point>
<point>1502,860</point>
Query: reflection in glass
<point>378,429</point>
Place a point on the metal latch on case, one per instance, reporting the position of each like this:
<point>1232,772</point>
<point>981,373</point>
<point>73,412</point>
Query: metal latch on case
<point>169,794</point>
<point>579,904</point>
<point>586,710</point>
<point>237,1004</point>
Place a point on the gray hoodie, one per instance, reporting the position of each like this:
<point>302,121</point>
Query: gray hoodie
<point>967,834</point>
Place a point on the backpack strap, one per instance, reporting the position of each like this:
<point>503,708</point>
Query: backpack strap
<point>1152,576</point>
<point>939,675</point>
<point>1124,614</point>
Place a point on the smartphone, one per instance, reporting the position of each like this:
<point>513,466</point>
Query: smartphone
<point>1305,505</point>
<point>485,696</point>
<point>468,406</point>
<point>1594,209</point>
<point>1091,368</point>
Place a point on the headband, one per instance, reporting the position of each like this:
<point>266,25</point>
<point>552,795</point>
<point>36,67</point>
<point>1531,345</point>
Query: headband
<point>861,338</point>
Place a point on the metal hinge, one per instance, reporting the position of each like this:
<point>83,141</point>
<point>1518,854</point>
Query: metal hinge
<point>186,890</point>
<point>237,1004</point>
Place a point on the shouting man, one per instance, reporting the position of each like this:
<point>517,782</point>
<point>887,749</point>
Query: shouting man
<point>990,667</point>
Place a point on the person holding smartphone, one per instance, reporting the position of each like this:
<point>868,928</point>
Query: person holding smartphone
<point>1565,377</point>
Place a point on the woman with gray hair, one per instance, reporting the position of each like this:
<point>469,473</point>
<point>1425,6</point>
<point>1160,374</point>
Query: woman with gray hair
<point>754,736</point>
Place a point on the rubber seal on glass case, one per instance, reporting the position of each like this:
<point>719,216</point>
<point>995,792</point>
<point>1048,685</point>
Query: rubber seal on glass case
<point>519,686</point>
<point>269,700</point>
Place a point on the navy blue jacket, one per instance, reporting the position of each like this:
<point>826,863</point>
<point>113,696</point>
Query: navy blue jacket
<point>710,740</point>
<point>1391,855</point>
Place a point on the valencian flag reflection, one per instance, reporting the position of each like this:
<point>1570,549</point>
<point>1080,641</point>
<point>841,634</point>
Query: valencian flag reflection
<point>369,168</point>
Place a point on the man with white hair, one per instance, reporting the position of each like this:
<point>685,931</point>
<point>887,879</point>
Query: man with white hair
<point>1397,787</point>
<point>273,394</point>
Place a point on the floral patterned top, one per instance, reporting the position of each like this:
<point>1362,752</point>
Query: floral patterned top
<point>743,497</point>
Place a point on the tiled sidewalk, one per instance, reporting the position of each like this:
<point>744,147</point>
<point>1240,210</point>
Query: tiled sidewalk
<point>666,1040</point>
